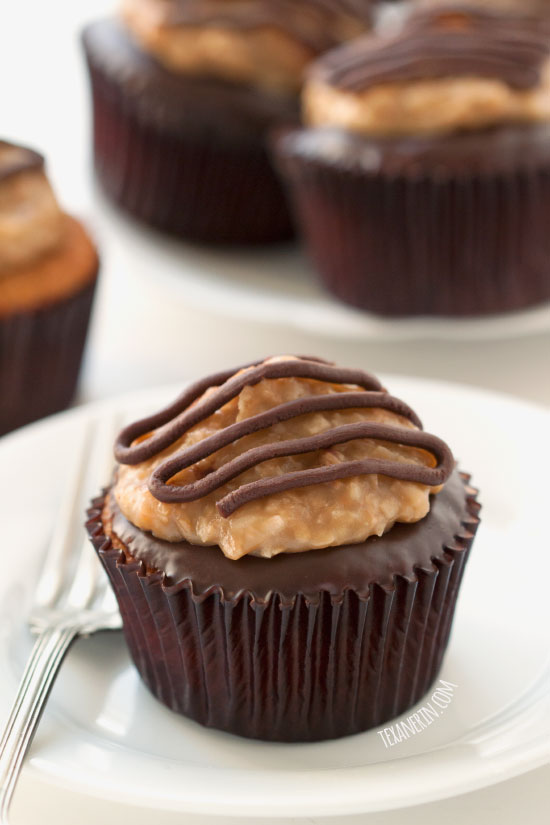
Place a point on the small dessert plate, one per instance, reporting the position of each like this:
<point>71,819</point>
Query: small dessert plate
<point>487,718</point>
<point>280,284</point>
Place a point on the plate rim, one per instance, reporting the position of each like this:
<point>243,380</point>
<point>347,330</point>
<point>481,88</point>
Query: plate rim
<point>305,313</point>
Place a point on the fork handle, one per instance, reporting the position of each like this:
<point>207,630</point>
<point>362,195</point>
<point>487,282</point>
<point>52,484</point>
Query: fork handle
<point>47,655</point>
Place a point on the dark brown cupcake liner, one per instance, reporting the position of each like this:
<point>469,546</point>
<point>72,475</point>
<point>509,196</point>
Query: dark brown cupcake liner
<point>303,669</point>
<point>40,356</point>
<point>421,244</point>
<point>204,184</point>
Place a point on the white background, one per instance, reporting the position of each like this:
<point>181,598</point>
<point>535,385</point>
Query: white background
<point>146,333</point>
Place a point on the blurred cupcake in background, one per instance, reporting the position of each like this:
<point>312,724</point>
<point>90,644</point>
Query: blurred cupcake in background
<point>48,272</point>
<point>286,546</point>
<point>528,7</point>
<point>184,94</point>
<point>422,176</point>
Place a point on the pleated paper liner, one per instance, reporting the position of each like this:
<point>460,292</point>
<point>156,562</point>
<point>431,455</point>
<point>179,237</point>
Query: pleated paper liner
<point>400,244</point>
<point>40,356</point>
<point>300,669</point>
<point>205,185</point>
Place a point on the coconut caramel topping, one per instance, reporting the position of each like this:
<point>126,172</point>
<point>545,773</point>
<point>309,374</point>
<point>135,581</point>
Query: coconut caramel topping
<point>446,69</point>
<point>283,455</point>
<point>31,222</point>
<point>264,43</point>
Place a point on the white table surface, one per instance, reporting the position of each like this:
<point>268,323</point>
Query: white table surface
<point>143,337</point>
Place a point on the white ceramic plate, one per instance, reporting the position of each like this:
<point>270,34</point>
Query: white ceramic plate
<point>277,286</point>
<point>104,735</point>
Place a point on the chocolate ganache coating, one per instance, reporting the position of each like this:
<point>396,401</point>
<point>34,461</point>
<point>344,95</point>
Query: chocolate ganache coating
<point>15,159</point>
<point>179,417</point>
<point>484,152</point>
<point>332,569</point>
<point>308,22</point>
<point>459,41</point>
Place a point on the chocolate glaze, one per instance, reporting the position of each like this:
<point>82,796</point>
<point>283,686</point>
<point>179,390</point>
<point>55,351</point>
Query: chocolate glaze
<point>481,152</point>
<point>334,570</point>
<point>181,416</point>
<point>311,22</point>
<point>15,159</point>
<point>179,103</point>
<point>443,43</point>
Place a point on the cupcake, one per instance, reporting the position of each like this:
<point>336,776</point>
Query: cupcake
<point>184,94</point>
<point>286,546</point>
<point>422,177</point>
<point>48,272</point>
<point>527,7</point>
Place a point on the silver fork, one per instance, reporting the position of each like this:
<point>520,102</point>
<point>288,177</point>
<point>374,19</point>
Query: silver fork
<point>72,599</point>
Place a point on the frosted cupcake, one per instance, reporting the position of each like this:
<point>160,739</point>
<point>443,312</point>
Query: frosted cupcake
<point>527,7</point>
<point>422,176</point>
<point>185,93</point>
<point>48,272</point>
<point>286,546</point>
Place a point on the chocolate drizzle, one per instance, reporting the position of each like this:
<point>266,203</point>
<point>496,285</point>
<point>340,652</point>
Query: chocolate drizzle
<point>15,159</point>
<point>177,419</point>
<point>310,21</point>
<point>443,43</point>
